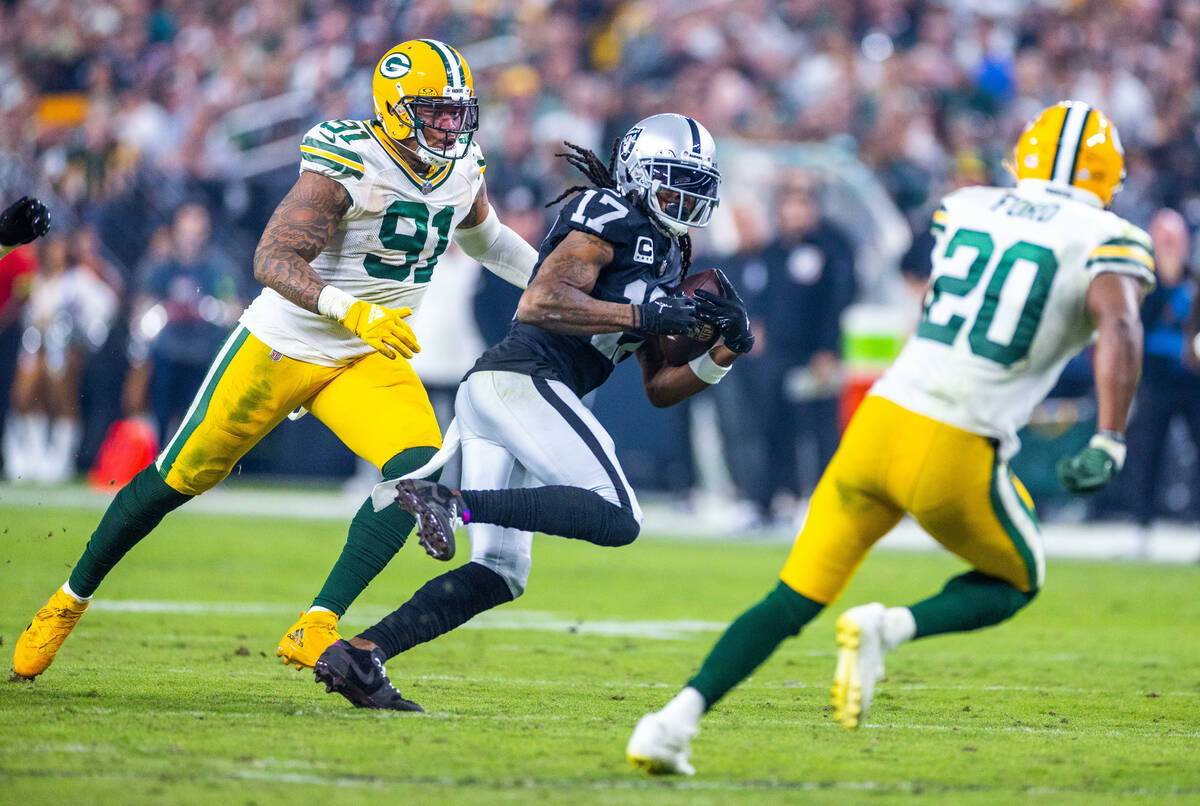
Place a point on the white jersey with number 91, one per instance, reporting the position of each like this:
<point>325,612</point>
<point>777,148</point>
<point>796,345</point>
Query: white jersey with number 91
<point>1006,306</point>
<point>387,245</point>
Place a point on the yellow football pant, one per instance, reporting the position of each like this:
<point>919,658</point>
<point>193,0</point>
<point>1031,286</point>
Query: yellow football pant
<point>377,407</point>
<point>893,461</point>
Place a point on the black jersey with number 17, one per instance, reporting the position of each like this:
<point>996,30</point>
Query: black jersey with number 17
<point>645,265</point>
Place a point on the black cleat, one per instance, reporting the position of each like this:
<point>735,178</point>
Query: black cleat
<point>436,508</point>
<point>359,676</point>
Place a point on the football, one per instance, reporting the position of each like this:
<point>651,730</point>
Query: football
<point>678,350</point>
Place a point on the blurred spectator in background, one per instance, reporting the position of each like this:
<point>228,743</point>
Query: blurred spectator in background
<point>1191,328</point>
<point>739,400</point>
<point>72,303</point>
<point>16,275</point>
<point>121,111</point>
<point>1170,386</point>
<point>495,301</point>
<point>810,281</point>
<point>187,301</point>
<point>21,223</point>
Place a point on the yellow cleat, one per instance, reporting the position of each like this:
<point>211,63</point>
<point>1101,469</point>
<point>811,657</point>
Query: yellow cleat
<point>860,663</point>
<point>39,643</point>
<point>308,638</point>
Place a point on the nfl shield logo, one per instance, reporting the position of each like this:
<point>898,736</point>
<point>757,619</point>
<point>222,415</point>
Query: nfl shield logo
<point>427,187</point>
<point>276,355</point>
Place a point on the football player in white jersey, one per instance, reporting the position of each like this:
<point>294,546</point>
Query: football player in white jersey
<point>1023,279</point>
<point>345,259</point>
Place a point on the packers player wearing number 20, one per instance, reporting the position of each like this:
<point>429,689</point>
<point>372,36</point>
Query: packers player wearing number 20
<point>1023,279</point>
<point>345,259</point>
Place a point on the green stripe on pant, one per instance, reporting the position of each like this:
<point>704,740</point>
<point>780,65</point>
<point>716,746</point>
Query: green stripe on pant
<point>199,408</point>
<point>1007,520</point>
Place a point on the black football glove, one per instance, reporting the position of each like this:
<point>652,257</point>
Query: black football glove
<point>25,220</point>
<point>728,314</point>
<point>667,316</point>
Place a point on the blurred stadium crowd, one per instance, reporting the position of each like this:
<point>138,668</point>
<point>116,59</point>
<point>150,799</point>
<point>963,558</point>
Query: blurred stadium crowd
<point>161,133</point>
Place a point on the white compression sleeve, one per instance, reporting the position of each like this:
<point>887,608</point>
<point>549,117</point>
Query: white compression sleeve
<point>501,251</point>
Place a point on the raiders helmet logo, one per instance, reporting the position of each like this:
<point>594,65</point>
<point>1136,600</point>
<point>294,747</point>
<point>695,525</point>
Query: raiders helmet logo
<point>629,141</point>
<point>395,66</point>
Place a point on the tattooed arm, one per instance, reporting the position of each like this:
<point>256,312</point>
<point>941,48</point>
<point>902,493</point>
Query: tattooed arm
<point>557,298</point>
<point>297,232</point>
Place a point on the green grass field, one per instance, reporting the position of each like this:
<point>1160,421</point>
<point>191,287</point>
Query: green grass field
<point>169,691</point>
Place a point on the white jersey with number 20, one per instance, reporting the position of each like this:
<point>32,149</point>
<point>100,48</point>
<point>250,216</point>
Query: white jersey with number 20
<point>1006,305</point>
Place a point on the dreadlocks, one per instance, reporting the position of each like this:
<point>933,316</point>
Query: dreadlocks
<point>600,175</point>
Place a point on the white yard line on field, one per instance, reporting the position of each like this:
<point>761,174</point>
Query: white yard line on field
<point>543,621</point>
<point>535,620</point>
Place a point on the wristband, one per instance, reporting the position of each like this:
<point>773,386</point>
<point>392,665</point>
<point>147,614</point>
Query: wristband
<point>1112,443</point>
<point>708,370</point>
<point>334,303</point>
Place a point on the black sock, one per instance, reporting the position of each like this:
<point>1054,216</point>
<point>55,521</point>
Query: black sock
<point>441,604</point>
<point>555,510</point>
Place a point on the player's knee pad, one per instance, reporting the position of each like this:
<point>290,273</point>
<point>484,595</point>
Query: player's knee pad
<point>513,569</point>
<point>507,552</point>
<point>196,480</point>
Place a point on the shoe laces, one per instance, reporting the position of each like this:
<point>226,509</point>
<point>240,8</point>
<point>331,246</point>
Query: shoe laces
<point>49,624</point>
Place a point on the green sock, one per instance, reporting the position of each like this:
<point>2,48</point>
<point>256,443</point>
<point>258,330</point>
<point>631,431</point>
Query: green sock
<point>751,639</point>
<point>132,515</point>
<point>968,602</point>
<point>373,540</point>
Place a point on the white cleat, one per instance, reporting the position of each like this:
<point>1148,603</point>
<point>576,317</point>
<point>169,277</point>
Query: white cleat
<point>660,746</point>
<point>861,647</point>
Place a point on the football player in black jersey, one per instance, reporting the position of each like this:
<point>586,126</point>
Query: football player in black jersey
<point>534,457</point>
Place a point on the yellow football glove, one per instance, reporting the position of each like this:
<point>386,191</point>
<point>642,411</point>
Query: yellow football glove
<point>382,328</point>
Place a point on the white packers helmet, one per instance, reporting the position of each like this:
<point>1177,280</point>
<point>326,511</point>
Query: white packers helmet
<point>423,90</point>
<point>671,161</point>
<point>1074,145</point>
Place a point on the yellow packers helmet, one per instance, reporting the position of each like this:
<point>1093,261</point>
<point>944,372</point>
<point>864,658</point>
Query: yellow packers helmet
<point>1072,144</point>
<point>423,89</point>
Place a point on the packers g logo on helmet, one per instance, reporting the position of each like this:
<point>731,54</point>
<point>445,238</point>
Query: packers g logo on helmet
<point>1074,145</point>
<point>423,90</point>
<point>396,65</point>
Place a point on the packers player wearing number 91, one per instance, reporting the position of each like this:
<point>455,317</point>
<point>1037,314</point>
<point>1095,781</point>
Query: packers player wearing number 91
<point>345,259</point>
<point>1023,279</point>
